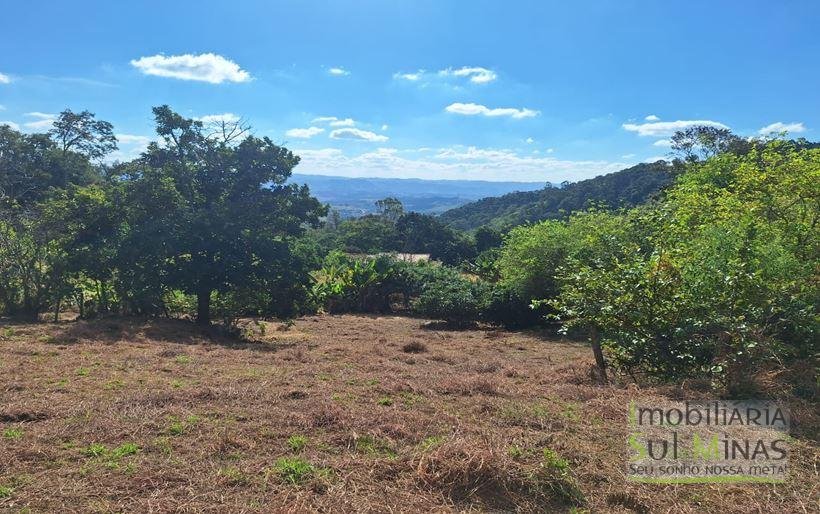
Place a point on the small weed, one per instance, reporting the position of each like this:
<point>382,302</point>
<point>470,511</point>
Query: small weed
<point>8,332</point>
<point>385,402</point>
<point>176,384</point>
<point>371,382</point>
<point>182,359</point>
<point>431,442</point>
<point>178,427</point>
<point>82,372</point>
<point>95,450</point>
<point>6,492</point>
<point>114,385</point>
<point>124,450</point>
<point>373,446</point>
<point>12,433</point>
<point>234,476</point>
<point>297,443</point>
<point>296,471</point>
<point>554,462</point>
<point>515,451</point>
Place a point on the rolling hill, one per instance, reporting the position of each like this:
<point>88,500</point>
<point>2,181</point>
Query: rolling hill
<point>627,187</point>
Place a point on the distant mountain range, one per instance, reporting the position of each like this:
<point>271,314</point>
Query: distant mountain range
<point>628,187</point>
<point>357,196</point>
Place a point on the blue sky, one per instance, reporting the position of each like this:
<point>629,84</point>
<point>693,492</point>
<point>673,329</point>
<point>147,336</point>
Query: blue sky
<point>503,90</point>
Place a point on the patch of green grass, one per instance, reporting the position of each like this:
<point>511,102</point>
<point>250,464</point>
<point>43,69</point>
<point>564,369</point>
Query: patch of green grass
<point>182,359</point>
<point>431,442</point>
<point>409,398</point>
<point>12,433</point>
<point>124,450</point>
<point>8,332</point>
<point>114,385</point>
<point>234,476</point>
<point>296,470</point>
<point>385,402</point>
<point>95,450</point>
<point>176,384</point>
<point>297,443</point>
<point>555,476</point>
<point>178,427</point>
<point>371,382</point>
<point>373,446</point>
<point>82,372</point>
<point>5,491</point>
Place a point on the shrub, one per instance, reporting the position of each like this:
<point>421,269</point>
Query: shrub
<point>457,300</point>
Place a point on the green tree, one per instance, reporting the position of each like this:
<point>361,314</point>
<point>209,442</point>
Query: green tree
<point>215,208</point>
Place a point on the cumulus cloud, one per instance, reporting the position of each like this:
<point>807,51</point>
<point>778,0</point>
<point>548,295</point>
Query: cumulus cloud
<point>667,128</point>
<point>304,133</point>
<point>333,121</point>
<point>226,117</point>
<point>471,109</point>
<point>778,127</point>
<point>663,142</point>
<point>10,124</point>
<point>357,134</point>
<point>339,72</point>
<point>454,163</point>
<point>5,79</point>
<point>652,117</point>
<point>529,140</point>
<point>209,67</point>
<point>41,121</point>
<point>477,74</point>
<point>385,127</point>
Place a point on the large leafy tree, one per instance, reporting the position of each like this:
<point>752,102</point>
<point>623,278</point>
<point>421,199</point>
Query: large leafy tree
<point>212,209</point>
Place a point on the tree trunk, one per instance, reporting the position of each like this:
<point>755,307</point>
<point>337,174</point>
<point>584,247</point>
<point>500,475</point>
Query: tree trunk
<point>203,308</point>
<point>599,354</point>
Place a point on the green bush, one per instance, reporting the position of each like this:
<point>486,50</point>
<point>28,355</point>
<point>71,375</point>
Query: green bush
<point>453,299</point>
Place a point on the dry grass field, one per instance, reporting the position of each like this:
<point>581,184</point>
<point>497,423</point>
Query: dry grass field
<point>333,414</point>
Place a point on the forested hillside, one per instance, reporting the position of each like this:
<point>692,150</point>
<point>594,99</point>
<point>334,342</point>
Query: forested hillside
<point>628,187</point>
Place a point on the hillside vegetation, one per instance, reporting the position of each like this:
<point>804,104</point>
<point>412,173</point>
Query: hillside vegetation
<point>624,188</point>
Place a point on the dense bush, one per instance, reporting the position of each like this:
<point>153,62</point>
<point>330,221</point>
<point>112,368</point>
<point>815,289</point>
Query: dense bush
<point>454,299</point>
<point>729,279</point>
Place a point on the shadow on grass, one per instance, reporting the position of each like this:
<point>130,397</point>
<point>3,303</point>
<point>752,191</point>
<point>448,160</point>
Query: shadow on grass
<point>118,329</point>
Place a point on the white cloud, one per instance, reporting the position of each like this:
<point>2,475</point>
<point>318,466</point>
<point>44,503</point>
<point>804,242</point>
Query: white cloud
<point>42,121</point>
<point>130,147</point>
<point>209,67</point>
<point>304,133</point>
<point>339,72</point>
<point>529,140</point>
<point>471,109</point>
<point>455,163</point>
<point>779,127</point>
<point>333,121</point>
<point>5,79</point>
<point>10,124</point>
<point>226,117</point>
<point>667,128</point>
<point>412,77</point>
<point>354,133</point>
<point>477,74</point>
<point>652,117</point>
<point>667,143</point>
<point>628,156</point>
<point>385,127</point>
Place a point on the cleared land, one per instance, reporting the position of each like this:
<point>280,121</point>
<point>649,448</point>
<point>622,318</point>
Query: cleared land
<point>341,413</point>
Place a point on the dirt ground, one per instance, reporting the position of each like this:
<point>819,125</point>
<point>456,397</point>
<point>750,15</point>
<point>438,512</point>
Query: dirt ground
<point>333,414</point>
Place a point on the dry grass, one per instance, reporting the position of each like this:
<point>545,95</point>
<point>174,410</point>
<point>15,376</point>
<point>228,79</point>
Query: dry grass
<point>333,414</point>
